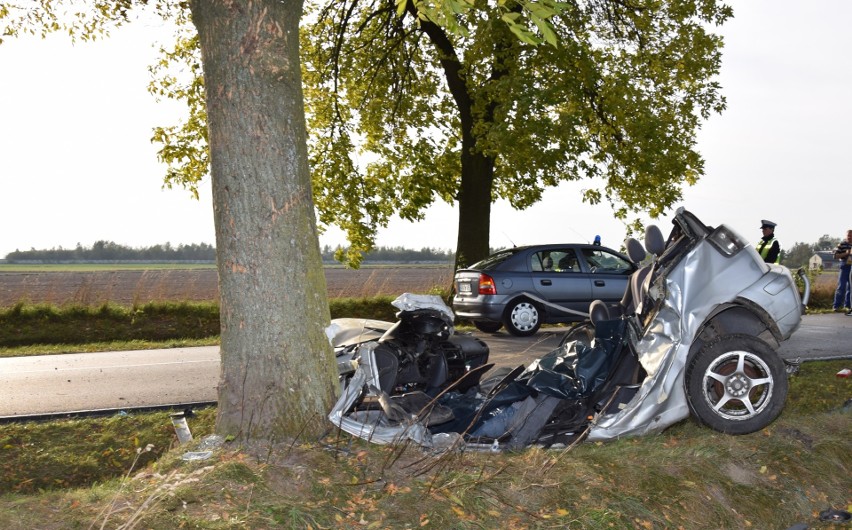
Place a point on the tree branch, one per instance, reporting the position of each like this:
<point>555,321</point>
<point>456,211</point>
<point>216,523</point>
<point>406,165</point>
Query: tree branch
<point>450,63</point>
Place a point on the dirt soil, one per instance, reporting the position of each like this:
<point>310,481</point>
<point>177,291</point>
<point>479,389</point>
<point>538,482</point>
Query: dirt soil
<point>139,287</point>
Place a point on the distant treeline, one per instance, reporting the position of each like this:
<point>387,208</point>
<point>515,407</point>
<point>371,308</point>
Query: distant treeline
<point>110,251</point>
<point>397,255</point>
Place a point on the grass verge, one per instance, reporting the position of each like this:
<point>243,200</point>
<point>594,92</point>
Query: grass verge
<point>91,347</point>
<point>686,477</point>
<point>37,329</point>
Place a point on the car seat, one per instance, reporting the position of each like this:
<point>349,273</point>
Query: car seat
<point>566,263</point>
<point>634,295</point>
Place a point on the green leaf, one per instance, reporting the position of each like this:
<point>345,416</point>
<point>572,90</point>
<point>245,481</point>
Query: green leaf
<point>511,18</point>
<point>545,29</point>
<point>524,35</point>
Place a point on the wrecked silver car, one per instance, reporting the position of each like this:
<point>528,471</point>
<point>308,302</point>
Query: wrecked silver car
<point>695,334</point>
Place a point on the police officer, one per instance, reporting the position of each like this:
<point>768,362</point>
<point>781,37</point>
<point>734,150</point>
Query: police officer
<point>768,247</point>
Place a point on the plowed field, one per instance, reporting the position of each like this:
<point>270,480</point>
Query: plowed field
<point>127,287</point>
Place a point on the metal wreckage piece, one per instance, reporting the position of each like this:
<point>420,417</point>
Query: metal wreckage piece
<point>629,382</point>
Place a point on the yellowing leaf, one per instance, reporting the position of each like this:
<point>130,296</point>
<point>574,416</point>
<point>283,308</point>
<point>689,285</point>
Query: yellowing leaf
<point>453,498</point>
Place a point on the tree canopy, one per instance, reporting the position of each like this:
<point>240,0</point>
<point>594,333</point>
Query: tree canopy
<point>409,102</point>
<point>402,112</point>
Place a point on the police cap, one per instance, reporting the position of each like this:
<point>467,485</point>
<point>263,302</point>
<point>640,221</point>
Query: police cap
<point>767,224</point>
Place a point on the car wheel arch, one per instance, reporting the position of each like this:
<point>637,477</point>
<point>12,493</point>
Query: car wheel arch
<point>740,317</point>
<point>542,308</point>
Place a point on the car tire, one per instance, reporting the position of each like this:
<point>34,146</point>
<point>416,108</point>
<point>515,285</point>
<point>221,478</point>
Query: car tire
<point>736,384</point>
<point>583,333</point>
<point>487,326</point>
<point>522,318</point>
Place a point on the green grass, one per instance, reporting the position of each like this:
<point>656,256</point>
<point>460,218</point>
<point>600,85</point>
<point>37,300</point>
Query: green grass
<point>75,452</point>
<point>84,473</point>
<point>27,325</point>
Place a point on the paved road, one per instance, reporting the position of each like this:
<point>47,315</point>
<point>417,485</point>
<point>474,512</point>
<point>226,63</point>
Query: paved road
<point>54,384</point>
<point>48,384</point>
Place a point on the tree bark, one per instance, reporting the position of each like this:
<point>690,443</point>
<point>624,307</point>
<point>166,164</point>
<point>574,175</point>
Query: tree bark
<point>474,201</point>
<point>278,377</point>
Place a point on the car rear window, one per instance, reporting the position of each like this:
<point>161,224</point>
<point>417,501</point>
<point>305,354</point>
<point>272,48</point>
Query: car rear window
<point>494,259</point>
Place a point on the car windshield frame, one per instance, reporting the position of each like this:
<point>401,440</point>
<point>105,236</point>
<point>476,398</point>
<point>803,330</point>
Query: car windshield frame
<point>599,261</point>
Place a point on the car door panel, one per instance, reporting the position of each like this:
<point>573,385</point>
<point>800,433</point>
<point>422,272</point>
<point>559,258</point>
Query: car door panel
<point>568,290</point>
<point>564,284</point>
<point>609,274</point>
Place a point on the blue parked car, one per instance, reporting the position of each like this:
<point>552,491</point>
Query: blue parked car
<point>524,287</point>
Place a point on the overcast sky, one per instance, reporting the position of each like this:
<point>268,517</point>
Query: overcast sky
<point>77,165</point>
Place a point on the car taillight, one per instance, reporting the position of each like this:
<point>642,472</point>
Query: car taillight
<point>726,241</point>
<point>486,284</point>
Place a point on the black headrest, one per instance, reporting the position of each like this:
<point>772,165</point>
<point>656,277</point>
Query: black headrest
<point>635,250</point>
<point>655,243</point>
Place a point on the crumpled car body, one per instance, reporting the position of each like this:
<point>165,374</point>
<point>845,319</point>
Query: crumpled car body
<point>700,343</point>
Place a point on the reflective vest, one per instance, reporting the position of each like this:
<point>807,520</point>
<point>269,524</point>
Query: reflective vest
<point>764,247</point>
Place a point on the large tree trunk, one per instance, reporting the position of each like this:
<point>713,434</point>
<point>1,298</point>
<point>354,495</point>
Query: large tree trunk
<point>477,170</point>
<point>278,374</point>
<point>474,200</point>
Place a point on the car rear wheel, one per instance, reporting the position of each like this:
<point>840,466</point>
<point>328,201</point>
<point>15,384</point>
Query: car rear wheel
<point>522,318</point>
<point>736,384</point>
<point>487,327</point>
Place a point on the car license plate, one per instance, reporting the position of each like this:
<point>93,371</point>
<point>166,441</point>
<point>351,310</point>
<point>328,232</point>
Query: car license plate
<point>464,287</point>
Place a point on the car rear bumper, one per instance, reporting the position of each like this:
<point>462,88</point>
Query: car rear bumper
<point>480,309</point>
